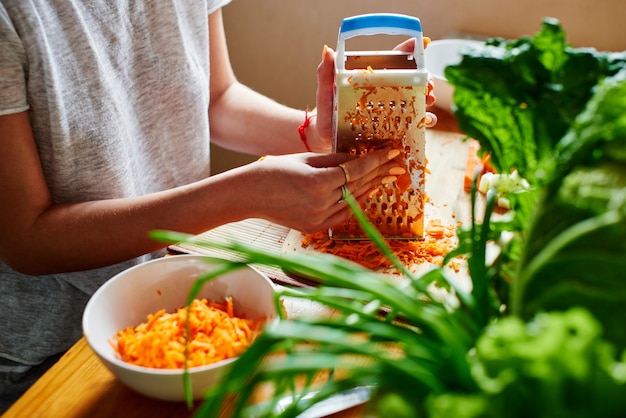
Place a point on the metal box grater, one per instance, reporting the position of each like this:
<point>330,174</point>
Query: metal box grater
<point>380,100</point>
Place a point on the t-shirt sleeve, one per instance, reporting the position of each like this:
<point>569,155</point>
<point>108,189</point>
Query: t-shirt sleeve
<point>12,68</point>
<point>213,5</point>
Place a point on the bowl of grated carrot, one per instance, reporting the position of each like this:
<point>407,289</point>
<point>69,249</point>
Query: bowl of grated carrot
<point>136,323</point>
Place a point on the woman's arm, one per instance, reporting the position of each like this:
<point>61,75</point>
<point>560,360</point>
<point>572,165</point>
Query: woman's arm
<point>244,120</point>
<point>37,236</point>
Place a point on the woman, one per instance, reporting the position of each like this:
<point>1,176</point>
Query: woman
<point>104,136</point>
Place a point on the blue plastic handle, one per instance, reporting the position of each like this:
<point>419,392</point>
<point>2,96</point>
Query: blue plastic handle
<point>381,24</point>
<point>385,23</point>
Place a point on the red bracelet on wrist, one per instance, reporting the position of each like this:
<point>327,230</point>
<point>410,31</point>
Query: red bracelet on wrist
<point>301,128</point>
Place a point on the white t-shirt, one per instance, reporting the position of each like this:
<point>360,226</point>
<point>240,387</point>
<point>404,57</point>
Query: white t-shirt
<point>118,95</point>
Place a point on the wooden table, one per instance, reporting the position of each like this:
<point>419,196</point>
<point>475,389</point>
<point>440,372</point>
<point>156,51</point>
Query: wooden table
<point>79,385</point>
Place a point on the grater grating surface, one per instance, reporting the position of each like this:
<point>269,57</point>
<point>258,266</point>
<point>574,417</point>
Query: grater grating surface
<point>380,101</point>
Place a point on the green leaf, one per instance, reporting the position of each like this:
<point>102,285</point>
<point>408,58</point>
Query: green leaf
<point>519,97</point>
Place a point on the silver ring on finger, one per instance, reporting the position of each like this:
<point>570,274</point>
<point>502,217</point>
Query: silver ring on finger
<point>344,194</point>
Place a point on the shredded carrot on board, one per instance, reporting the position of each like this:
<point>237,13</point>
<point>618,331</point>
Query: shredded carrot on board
<point>216,333</point>
<point>438,241</point>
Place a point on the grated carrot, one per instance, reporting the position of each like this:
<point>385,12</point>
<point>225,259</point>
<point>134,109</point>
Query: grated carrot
<point>438,241</point>
<point>216,334</point>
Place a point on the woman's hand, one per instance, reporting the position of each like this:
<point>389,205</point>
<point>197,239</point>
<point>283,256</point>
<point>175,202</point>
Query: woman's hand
<point>304,191</point>
<point>322,142</point>
<point>409,46</point>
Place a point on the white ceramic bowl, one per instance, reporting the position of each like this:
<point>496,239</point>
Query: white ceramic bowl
<point>440,54</point>
<point>127,299</point>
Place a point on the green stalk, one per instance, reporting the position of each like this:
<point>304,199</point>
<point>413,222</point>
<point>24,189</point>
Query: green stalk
<point>478,263</point>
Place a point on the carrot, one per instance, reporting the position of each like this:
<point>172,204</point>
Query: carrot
<point>215,332</point>
<point>475,164</point>
<point>438,241</point>
<point>403,183</point>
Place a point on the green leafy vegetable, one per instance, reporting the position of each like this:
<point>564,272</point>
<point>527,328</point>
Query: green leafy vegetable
<point>519,97</point>
<point>556,365</point>
<point>576,246</point>
<point>556,115</point>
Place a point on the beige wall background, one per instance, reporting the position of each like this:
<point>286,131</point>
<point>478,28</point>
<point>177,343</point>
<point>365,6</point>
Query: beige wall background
<point>275,45</point>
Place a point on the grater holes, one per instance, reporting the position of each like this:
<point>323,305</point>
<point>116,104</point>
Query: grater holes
<point>408,122</point>
<point>407,148</point>
<point>368,118</point>
<point>378,122</point>
<point>386,124</point>
<point>397,122</point>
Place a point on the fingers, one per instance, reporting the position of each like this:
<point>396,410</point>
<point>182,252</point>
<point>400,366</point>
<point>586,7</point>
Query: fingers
<point>406,46</point>
<point>409,44</point>
<point>325,93</point>
<point>430,94</point>
<point>340,211</point>
<point>431,119</point>
<point>364,175</point>
<point>363,169</point>
<point>359,175</point>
